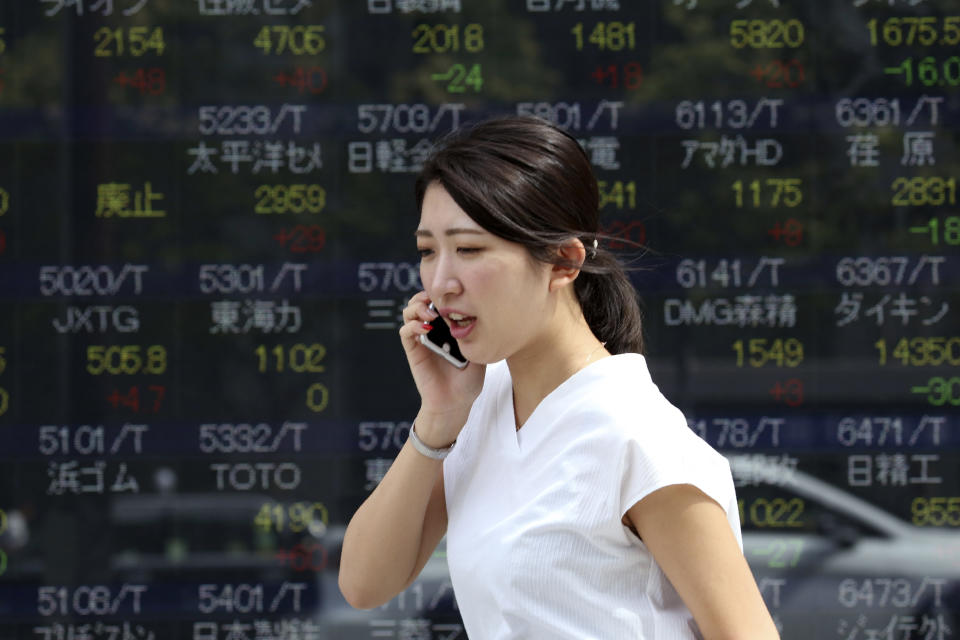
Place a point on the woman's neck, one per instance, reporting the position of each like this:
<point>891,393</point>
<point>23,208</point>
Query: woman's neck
<point>566,345</point>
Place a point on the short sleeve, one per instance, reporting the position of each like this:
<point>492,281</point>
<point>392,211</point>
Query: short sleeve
<point>665,452</point>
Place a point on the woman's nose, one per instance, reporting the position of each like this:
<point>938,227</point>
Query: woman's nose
<point>444,281</point>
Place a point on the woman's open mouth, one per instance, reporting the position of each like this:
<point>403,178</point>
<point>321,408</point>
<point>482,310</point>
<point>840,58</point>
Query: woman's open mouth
<point>460,325</point>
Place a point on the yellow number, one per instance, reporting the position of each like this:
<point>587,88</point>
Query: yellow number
<point>766,34</point>
<point>125,360</point>
<point>4,401</point>
<point>761,351</point>
<point>951,31</point>
<point>262,41</point>
<point>787,192</point>
<point>789,189</point>
<point>3,359</point>
<point>264,518</point>
<point>300,358</point>
<point>923,352</point>
<point>304,515</point>
<point>917,192</point>
<point>296,517</point>
<point>443,38</point>
<point>936,512</point>
<point>473,40</point>
<point>612,36</point>
<point>103,37</point>
<point>156,359</point>
<point>776,512</point>
<point>614,194</point>
<point>3,43</point>
<point>142,40</point>
<point>298,40</point>
<point>4,201</point>
<point>139,40</point>
<point>294,198</point>
<point>318,397</point>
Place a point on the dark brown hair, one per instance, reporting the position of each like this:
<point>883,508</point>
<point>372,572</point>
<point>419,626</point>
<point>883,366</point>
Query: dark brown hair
<point>528,181</point>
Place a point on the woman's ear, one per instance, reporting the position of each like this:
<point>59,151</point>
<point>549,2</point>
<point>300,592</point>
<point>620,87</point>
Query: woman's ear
<point>571,254</point>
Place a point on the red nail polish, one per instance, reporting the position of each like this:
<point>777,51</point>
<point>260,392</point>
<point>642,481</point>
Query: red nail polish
<point>427,326</point>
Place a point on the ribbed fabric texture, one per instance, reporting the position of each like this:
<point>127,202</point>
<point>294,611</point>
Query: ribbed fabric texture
<point>535,542</point>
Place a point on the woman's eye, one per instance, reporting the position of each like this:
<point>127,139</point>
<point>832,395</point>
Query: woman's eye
<point>468,249</point>
<point>423,253</point>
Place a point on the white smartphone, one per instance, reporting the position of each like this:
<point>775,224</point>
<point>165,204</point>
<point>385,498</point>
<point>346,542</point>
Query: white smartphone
<point>442,343</point>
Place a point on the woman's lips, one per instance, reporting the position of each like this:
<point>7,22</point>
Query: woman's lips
<point>459,329</point>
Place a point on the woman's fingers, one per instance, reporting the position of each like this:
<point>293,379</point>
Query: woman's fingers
<point>416,317</point>
<point>418,307</point>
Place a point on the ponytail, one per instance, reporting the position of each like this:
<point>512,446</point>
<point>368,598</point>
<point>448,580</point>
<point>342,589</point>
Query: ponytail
<point>610,303</point>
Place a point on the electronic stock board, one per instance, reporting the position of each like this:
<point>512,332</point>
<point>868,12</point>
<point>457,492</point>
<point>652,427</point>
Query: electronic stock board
<point>206,219</point>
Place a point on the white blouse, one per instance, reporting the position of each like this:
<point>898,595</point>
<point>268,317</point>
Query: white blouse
<point>535,542</point>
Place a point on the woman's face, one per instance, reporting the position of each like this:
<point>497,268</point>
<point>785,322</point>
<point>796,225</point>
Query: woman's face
<point>489,290</point>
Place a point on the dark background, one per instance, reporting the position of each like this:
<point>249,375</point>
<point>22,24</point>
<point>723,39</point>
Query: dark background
<point>140,536</point>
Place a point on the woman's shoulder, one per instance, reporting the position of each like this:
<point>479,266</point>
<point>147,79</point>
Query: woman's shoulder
<point>621,399</point>
<point>622,384</point>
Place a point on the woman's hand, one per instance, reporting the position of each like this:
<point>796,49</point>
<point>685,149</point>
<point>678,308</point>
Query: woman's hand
<point>446,393</point>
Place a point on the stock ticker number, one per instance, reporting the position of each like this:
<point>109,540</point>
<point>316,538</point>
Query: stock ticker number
<point>605,36</point>
<point>299,40</point>
<point>766,34</point>
<point>446,38</point>
<point>131,359</point>
<point>132,41</point>
<point>925,31</point>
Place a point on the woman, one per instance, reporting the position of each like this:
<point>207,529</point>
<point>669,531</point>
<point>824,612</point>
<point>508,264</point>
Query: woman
<point>576,503</point>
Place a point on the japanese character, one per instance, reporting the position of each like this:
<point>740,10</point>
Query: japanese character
<point>236,631</point>
<point>864,150</point>
<point>225,315</point>
<point>129,12</point>
<point>290,319</point>
<point>924,459</point>
<point>203,162</point>
<point>939,315</point>
<point>415,629</point>
<point>603,152</point>
<point>235,152</point>
<point>296,155</point>
<point>891,470</point>
<point>877,309</point>
<point>62,4</point>
<point>918,149</point>
<point>272,157</point>
<point>113,199</point>
<point>124,482</point>
<point>849,308</point>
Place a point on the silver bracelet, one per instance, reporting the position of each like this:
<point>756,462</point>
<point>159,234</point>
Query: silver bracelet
<point>430,452</point>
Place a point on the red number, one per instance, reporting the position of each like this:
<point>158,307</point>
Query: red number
<point>778,74</point>
<point>152,80</point>
<point>790,232</point>
<point>789,392</point>
<point>302,238</point>
<point>313,80</point>
<point>631,72</point>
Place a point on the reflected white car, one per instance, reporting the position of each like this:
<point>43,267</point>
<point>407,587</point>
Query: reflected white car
<point>831,565</point>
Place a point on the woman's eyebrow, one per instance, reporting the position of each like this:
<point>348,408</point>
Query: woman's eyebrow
<point>425,233</point>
